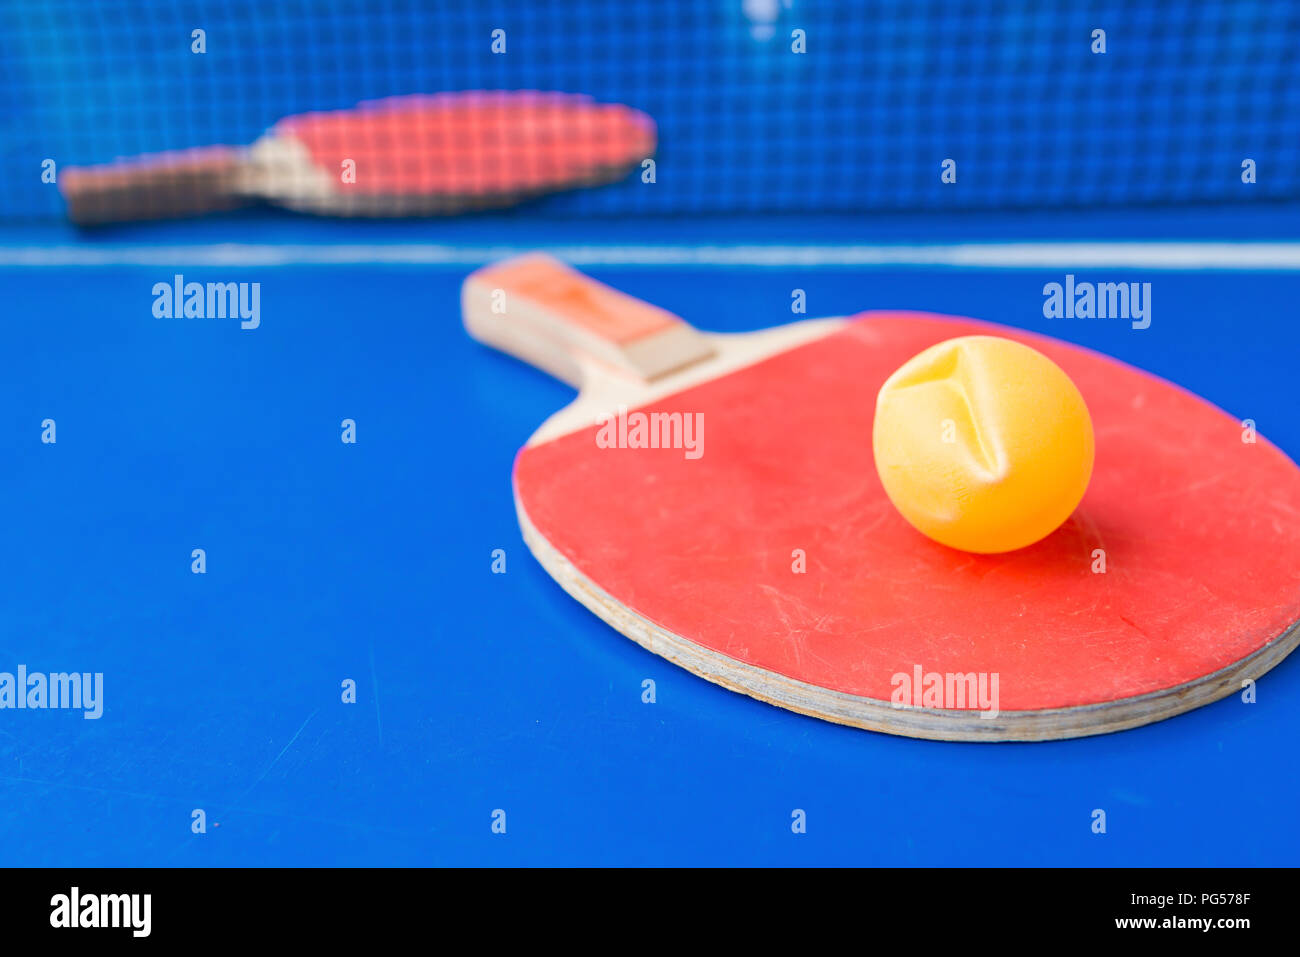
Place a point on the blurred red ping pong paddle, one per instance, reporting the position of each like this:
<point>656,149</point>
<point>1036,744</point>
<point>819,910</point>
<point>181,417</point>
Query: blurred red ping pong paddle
<point>412,156</point>
<point>757,548</point>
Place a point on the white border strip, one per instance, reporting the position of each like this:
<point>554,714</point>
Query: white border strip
<point>1048,255</point>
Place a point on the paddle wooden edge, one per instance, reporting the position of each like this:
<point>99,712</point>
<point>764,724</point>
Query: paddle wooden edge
<point>334,200</point>
<point>872,714</point>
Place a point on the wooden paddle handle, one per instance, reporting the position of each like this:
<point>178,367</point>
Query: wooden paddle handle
<point>539,310</point>
<point>159,186</point>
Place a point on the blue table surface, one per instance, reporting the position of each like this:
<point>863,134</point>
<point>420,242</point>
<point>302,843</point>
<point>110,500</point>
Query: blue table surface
<point>479,691</point>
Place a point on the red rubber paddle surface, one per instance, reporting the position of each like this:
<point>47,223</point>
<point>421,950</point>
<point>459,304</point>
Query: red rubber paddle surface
<point>474,142</point>
<point>1201,534</point>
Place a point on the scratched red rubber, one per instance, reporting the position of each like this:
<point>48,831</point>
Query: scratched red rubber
<point>1201,534</point>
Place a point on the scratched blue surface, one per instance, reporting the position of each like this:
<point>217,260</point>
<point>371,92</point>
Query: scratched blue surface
<point>480,691</point>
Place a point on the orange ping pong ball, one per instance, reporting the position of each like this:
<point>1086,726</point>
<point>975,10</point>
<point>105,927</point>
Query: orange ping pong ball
<point>982,443</point>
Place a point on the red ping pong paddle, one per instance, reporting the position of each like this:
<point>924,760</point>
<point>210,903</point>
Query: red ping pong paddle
<point>728,516</point>
<point>411,156</point>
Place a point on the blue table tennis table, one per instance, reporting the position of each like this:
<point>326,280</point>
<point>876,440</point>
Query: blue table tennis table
<point>371,562</point>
